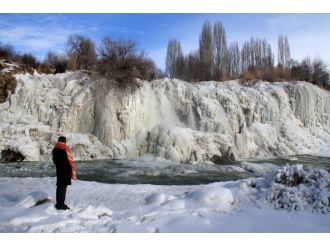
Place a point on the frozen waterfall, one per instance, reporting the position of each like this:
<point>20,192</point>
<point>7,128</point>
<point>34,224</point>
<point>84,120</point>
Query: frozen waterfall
<point>173,119</point>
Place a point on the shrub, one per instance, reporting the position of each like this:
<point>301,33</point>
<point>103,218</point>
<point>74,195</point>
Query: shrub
<point>44,68</point>
<point>249,76</point>
<point>7,52</point>
<point>119,62</point>
<point>7,83</point>
<point>57,63</point>
<point>320,75</point>
<point>81,52</point>
<point>2,66</point>
<point>60,65</point>
<point>282,74</point>
<point>29,60</point>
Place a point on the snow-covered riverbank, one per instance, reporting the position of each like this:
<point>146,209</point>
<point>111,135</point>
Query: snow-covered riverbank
<point>273,203</point>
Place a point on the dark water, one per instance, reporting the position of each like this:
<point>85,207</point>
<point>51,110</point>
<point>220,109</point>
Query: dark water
<point>155,171</point>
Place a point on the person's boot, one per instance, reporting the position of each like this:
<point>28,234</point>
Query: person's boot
<point>61,207</point>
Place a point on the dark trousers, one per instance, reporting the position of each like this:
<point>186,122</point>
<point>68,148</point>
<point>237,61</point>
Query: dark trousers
<point>60,195</point>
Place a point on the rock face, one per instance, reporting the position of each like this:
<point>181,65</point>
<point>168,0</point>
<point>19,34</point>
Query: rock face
<point>176,120</point>
<point>11,156</point>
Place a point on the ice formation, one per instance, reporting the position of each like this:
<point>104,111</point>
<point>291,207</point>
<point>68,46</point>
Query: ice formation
<point>169,118</point>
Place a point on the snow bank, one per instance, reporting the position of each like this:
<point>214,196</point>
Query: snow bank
<point>257,169</point>
<point>268,204</point>
<point>220,199</point>
<point>212,198</point>
<point>33,199</point>
<point>158,198</point>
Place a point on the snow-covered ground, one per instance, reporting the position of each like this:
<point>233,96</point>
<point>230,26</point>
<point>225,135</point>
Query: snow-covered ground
<point>287,199</point>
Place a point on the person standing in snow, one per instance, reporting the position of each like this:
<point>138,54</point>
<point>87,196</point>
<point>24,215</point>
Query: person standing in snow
<point>65,171</point>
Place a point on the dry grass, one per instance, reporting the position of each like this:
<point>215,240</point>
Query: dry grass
<point>7,83</point>
<point>282,74</point>
<point>45,69</point>
<point>276,74</point>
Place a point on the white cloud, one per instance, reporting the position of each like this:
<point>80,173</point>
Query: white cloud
<point>39,39</point>
<point>308,33</point>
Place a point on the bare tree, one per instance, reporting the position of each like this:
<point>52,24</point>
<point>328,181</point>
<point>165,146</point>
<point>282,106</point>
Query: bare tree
<point>206,51</point>
<point>315,72</point>
<point>120,62</point>
<point>192,64</point>
<point>287,52</point>
<point>234,60</point>
<point>269,57</point>
<point>7,52</point>
<point>246,56</point>
<point>321,75</point>
<point>58,63</point>
<point>117,50</point>
<point>29,60</point>
<point>220,51</point>
<point>174,59</point>
<point>283,53</point>
<point>257,54</point>
<point>81,51</point>
<point>51,59</point>
<point>306,70</point>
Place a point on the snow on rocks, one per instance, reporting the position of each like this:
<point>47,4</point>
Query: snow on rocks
<point>218,198</point>
<point>158,198</point>
<point>257,169</point>
<point>295,188</point>
<point>33,199</point>
<point>94,213</point>
<point>210,198</point>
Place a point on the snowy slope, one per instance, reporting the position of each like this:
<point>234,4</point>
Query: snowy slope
<point>251,205</point>
<point>171,119</point>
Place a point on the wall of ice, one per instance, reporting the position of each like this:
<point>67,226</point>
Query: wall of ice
<point>176,120</point>
<point>44,107</point>
<point>212,120</point>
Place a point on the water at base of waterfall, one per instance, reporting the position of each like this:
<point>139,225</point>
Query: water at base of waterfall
<point>161,172</point>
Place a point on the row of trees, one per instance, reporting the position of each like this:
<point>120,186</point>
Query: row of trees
<point>117,60</point>
<point>314,72</point>
<point>216,60</point>
<point>8,53</point>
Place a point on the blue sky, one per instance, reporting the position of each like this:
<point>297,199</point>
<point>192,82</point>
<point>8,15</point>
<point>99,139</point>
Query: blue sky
<point>309,34</point>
